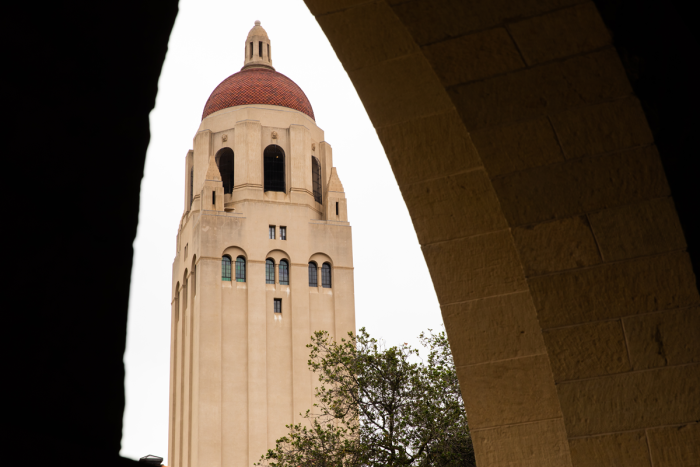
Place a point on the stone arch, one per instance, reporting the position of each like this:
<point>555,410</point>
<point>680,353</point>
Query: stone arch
<point>546,220</point>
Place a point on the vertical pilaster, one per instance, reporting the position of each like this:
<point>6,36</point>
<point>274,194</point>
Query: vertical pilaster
<point>257,362</point>
<point>248,154</point>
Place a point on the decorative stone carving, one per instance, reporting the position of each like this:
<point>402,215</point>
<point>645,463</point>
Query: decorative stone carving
<point>313,146</point>
<point>224,138</point>
<point>274,135</point>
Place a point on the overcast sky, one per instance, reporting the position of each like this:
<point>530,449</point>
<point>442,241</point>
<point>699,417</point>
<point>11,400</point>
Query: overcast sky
<point>394,296</point>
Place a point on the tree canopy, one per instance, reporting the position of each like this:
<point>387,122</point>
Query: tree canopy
<point>379,406</point>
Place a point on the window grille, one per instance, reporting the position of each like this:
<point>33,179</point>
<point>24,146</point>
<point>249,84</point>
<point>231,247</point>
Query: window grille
<point>274,168</point>
<point>225,268</point>
<point>269,271</point>
<point>284,272</point>
<point>316,178</point>
<point>272,232</point>
<point>240,269</point>
<point>224,160</point>
<point>278,305</point>
<point>326,276</point>
<point>313,275</point>
<point>283,233</point>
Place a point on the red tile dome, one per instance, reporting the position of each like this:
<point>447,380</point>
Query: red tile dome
<point>258,86</point>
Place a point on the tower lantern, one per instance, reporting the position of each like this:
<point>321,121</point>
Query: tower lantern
<point>263,259</point>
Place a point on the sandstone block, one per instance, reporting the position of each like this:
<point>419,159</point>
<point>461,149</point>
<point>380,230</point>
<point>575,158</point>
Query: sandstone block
<point>560,34</point>
<point>677,446</point>
<point>618,449</point>
<point>491,329</point>
<point>428,147</point>
<point>517,147</point>
<point>601,128</point>
<point>366,34</point>
<point>629,401</point>
<point>452,207</point>
<point>587,350</point>
<point>539,444</point>
<point>507,392</point>
<point>400,90</point>
<point>474,56</point>
<point>433,21</point>
<point>581,185</point>
<point>474,267</point>
<point>614,290</point>
<point>662,339</point>
<point>582,80</point>
<point>556,246</point>
<point>640,229</point>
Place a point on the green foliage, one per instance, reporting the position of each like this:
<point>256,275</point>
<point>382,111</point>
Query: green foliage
<point>379,406</point>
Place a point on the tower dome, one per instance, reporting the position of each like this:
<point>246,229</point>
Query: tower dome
<point>258,82</point>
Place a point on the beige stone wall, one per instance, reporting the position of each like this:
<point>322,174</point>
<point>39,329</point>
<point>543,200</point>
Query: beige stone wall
<point>544,214</point>
<point>239,371</point>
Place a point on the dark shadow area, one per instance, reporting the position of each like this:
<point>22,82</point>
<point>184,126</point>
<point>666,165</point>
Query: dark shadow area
<point>659,51</point>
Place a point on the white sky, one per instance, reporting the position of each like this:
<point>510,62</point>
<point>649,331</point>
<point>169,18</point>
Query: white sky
<point>394,296</point>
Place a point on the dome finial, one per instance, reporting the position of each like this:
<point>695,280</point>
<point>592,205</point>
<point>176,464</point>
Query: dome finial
<point>257,48</point>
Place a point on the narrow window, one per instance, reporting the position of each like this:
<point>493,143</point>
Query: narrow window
<point>336,208</point>
<point>278,305</point>
<point>316,179</point>
<point>260,49</point>
<point>268,53</point>
<point>186,245</point>
<point>251,50</point>
<point>224,161</point>
<point>284,272</point>
<point>313,274</point>
<point>226,268</point>
<point>213,197</point>
<point>269,271</point>
<point>273,166</point>
<point>283,233</point>
<point>191,186</point>
<point>326,276</point>
<point>272,232</point>
<point>240,269</point>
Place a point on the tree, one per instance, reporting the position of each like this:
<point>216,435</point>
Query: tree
<point>379,406</point>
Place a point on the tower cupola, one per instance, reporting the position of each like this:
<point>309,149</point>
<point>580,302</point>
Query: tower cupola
<point>257,49</point>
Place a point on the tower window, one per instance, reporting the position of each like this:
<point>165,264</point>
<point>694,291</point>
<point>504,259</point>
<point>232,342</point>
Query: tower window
<point>251,50</point>
<point>272,232</point>
<point>336,208</point>
<point>284,272</point>
<point>240,269</point>
<point>316,179</point>
<point>326,276</point>
<point>269,271</point>
<point>225,161</point>
<point>191,186</point>
<point>226,268</point>
<point>268,53</point>
<point>274,168</point>
<point>313,274</point>
<point>213,197</point>
<point>283,233</point>
<point>260,49</point>
<point>278,305</point>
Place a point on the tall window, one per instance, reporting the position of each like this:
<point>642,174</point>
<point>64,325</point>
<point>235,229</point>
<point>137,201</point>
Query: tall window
<point>284,272</point>
<point>191,186</point>
<point>271,231</point>
<point>278,305</point>
<point>274,168</point>
<point>316,178</point>
<point>240,269</point>
<point>269,271</point>
<point>224,160</point>
<point>225,268</point>
<point>326,275</point>
<point>313,274</point>
<point>260,49</point>
<point>283,233</point>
